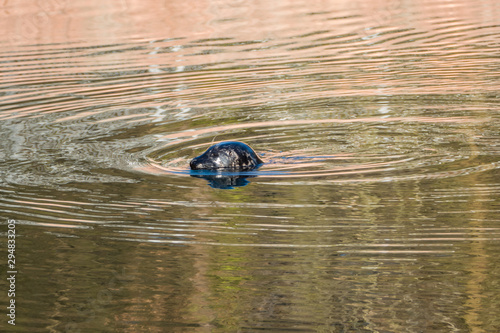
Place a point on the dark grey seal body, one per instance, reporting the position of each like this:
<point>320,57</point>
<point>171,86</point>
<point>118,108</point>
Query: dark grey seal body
<point>230,155</point>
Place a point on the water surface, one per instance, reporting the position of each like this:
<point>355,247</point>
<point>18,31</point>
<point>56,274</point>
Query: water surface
<point>377,209</point>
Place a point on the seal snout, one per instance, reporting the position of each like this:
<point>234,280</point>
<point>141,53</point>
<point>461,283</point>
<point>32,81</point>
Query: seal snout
<point>195,165</point>
<point>231,155</point>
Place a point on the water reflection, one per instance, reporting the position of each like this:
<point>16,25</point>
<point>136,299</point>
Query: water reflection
<point>377,206</point>
<point>223,180</point>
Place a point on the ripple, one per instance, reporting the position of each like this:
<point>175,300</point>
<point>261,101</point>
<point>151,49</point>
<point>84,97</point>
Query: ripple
<point>114,219</point>
<point>345,95</point>
<point>329,154</point>
<point>377,207</point>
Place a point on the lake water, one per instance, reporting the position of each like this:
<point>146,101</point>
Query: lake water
<point>378,207</point>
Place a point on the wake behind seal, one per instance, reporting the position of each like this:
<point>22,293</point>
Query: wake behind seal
<point>229,155</point>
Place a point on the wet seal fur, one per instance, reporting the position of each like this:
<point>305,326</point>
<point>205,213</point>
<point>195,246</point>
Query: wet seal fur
<point>229,155</point>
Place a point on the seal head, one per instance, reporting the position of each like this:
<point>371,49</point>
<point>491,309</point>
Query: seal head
<point>230,155</point>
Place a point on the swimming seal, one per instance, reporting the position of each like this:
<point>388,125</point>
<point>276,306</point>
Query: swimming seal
<point>230,155</point>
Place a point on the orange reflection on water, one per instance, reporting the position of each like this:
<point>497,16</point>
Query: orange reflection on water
<point>277,123</point>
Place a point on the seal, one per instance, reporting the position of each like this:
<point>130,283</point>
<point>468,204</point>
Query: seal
<point>229,155</point>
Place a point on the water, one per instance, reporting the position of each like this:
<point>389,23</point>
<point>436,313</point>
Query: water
<point>377,209</point>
